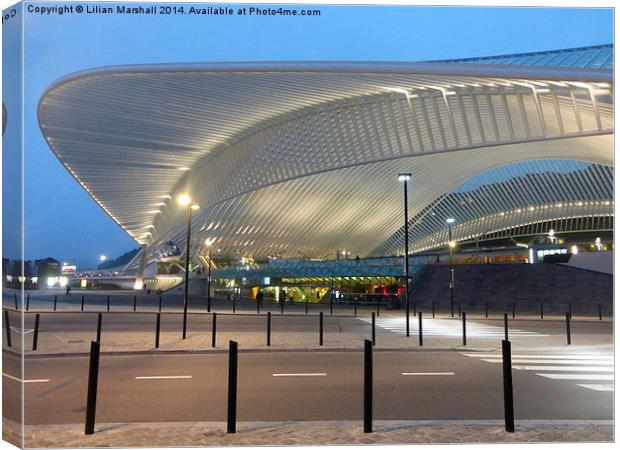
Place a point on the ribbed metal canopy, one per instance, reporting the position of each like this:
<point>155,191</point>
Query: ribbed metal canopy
<point>299,157</point>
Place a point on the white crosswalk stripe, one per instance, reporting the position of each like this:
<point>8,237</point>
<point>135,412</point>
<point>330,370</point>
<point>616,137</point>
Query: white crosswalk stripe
<point>567,367</point>
<point>447,328</point>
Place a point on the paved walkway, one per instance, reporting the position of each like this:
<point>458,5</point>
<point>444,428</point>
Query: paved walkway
<point>183,434</point>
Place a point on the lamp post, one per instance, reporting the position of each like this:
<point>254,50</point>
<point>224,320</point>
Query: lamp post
<point>450,221</point>
<point>209,244</point>
<point>185,200</point>
<point>405,177</point>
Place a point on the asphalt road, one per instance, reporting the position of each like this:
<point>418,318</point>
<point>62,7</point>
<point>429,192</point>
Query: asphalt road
<point>307,386</point>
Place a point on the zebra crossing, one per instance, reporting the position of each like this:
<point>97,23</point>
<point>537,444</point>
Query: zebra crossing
<point>447,328</point>
<point>583,369</point>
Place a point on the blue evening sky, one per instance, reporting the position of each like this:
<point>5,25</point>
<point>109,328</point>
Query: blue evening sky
<point>61,219</point>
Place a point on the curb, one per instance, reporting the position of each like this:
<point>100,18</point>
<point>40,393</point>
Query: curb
<point>241,350</point>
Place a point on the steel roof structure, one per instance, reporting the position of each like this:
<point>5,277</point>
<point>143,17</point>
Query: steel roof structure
<point>301,158</point>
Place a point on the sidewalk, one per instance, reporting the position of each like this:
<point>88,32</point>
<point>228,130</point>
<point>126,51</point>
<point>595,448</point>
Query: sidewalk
<point>180,434</point>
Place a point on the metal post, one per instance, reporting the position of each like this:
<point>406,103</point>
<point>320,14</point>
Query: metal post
<point>306,305</point>
<point>99,316</point>
<point>91,399</point>
<point>420,339</point>
<point>406,180</point>
<point>367,386</point>
<point>542,313</point>
<point>505,326</point>
<point>15,296</point>
<point>160,303</point>
<point>35,336</point>
<point>232,387</point>
<point>257,305</point>
<point>187,249</point>
<point>55,301</point>
<point>234,304</point>
<point>157,328</point>
<point>281,307</point>
<point>568,328</point>
<point>108,303</point>
<point>268,328</point>
<point>374,336</point>
<point>514,309</point>
<point>321,328</point>
<point>486,310</point>
<point>433,308</point>
<point>7,326</point>
<point>509,416</point>
<point>214,330</point>
<point>331,299</point>
<point>600,312</point>
<point>82,307</point>
<point>27,299</point>
<point>27,302</point>
<point>135,301</point>
<point>209,281</point>
<point>355,305</point>
<point>451,291</point>
<point>464,329</point>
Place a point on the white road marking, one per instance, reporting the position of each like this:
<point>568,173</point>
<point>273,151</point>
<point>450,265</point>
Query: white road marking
<point>299,374</point>
<point>553,361</point>
<point>427,373</point>
<point>165,377</point>
<point>562,376</point>
<point>566,369</point>
<point>598,387</point>
<point>541,356</point>
<point>25,381</point>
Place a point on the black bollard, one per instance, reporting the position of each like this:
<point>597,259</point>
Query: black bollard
<point>257,307</point>
<point>7,325</point>
<point>355,306</point>
<point>55,301</point>
<point>35,336</point>
<point>568,328</point>
<point>420,339</point>
<point>464,330</point>
<point>542,313</point>
<point>27,303</point>
<point>486,310</point>
<point>331,304</point>
<point>373,334</point>
<point>214,330</point>
<point>367,386</point>
<point>600,312</point>
<point>306,305</point>
<point>321,328</point>
<point>232,387</point>
<point>514,309</point>
<point>99,316</point>
<point>82,306</point>
<point>281,307</point>
<point>157,328</point>
<point>433,308</point>
<point>91,399</point>
<point>460,310</point>
<point>509,416</point>
<point>108,302</point>
<point>268,328</point>
<point>16,306</point>
<point>234,304</point>
<point>414,308</point>
<point>505,326</point>
<point>160,303</point>
<point>28,299</point>
<point>135,302</point>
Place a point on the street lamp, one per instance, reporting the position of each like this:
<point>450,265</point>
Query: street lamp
<point>405,177</point>
<point>185,200</point>
<point>450,221</point>
<point>102,258</point>
<point>209,243</point>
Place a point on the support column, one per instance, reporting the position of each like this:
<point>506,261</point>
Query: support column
<point>139,283</point>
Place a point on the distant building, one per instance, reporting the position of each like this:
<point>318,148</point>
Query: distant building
<point>48,267</point>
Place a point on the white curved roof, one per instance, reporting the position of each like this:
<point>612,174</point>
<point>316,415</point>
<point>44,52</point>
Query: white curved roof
<point>302,157</point>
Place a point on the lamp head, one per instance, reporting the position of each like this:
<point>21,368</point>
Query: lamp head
<point>450,220</point>
<point>405,176</point>
<point>184,199</point>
